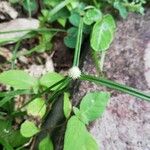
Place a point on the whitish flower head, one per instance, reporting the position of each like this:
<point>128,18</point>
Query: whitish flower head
<point>74,72</point>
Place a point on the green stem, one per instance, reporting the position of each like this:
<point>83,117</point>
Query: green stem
<point>78,44</point>
<point>29,7</point>
<point>116,86</point>
<point>58,7</point>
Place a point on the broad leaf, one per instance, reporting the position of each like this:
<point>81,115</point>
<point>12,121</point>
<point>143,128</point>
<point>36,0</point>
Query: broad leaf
<point>28,129</point>
<point>71,38</point>
<point>37,107</point>
<point>67,105</point>
<point>92,15</point>
<point>46,144</point>
<point>77,136</point>
<point>18,79</point>
<point>74,19</point>
<point>102,34</point>
<point>50,79</point>
<point>93,105</point>
<point>9,135</point>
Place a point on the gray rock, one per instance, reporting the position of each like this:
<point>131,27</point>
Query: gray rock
<point>125,124</point>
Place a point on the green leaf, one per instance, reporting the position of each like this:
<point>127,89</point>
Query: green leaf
<point>28,129</point>
<point>94,104</point>
<point>37,107</point>
<point>10,136</point>
<point>67,105</point>
<point>71,39</point>
<point>50,79</point>
<point>30,5</point>
<point>77,136</point>
<point>18,79</point>
<point>121,8</point>
<point>91,16</point>
<point>46,144</point>
<point>102,34</point>
<point>80,115</point>
<point>74,19</point>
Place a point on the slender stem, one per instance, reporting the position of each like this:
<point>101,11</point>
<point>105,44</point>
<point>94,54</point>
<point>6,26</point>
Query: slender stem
<point>78,44</point>
<point>29,7</point>
<point>116,86</point>
<point>59,7</point>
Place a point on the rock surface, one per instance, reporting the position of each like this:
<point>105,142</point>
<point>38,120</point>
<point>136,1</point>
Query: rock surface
<point>125,124</point>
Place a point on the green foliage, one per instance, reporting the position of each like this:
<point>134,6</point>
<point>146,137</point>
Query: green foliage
<point>67,107</point>
<point>28,129</point>
<point>78,18</point>
<point>36,108</point>
<point>92,106</point>
<point>92,15</point>
<point>102,34</point>
<point>18,79</point>
<point>51,78</point>
<point>46,143</point>
<point>71,38</point>
<point>9,136</point>
<point>77,136</point>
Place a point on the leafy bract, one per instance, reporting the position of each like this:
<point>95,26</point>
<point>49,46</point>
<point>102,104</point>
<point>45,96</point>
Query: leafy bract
<point>102,34</point>
<point>50,79</point>
<point>28,129</point>
<point>46,144</point>
<point>18,79</point>
<point>67,105</point>
<point>77,136</point>
<point>37,107</point>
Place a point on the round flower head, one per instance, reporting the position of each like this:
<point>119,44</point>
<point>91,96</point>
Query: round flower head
<point>74,72</point>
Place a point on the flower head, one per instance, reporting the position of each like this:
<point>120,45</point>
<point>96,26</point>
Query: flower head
<point>74,72</point>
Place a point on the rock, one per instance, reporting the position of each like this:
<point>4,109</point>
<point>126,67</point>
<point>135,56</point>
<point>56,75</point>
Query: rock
<point>16,24</point>
<point>6,8</point>
<point>125,125</point>
<point>147,64</point>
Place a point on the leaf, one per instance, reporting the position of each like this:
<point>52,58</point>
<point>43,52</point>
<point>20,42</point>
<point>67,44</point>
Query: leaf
<point>121,8</point>
<point>71,38</point>
<point>46,143</point>
<point>80,115</point>
<point>11,136</point>
<point>91,16</point>
<point>74,19</point>
<point>67,105</point>
<point>94,104</point>
<point>28,129</point>
<point>37,107</point>
<point>77,136</point>
<point>18,79</point>
<point>30,5</point>
<point>102,34</point>
<point>50,79</point>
